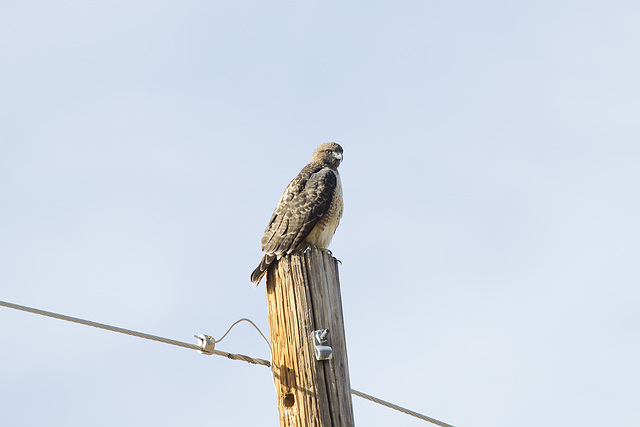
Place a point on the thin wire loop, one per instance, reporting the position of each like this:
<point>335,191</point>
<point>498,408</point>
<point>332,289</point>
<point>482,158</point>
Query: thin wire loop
<point>245,320</point>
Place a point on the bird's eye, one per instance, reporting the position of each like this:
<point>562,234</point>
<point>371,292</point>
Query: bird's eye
<point>328,151</point>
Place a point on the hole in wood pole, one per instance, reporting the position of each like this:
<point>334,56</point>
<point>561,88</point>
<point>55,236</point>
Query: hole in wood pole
<point>288,400</point>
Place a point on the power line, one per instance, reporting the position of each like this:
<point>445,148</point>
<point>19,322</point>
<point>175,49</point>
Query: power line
<point>206,346</point>
<point>203,348</point>
<point>399,408</point>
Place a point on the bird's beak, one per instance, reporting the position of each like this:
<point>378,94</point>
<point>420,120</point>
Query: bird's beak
<point>337,155</point>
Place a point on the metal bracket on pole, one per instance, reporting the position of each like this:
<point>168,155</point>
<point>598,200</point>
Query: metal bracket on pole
<point>321,344</point>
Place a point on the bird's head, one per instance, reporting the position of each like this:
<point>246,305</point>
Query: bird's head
<point>329,154</point>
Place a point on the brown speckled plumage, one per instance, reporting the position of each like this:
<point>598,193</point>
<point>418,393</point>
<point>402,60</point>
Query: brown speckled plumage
<point>308,212</point>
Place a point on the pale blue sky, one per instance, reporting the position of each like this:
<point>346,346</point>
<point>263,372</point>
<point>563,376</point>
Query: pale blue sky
<point>489,244</point>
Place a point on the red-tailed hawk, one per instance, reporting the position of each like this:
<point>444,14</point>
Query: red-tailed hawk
<point>308,212</point>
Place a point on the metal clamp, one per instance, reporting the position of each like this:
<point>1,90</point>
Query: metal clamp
<point>321,344</point>
<point>207,343</point>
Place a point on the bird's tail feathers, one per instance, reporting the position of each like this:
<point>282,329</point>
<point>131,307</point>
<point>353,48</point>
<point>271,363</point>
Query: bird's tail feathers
<point>261,269</point>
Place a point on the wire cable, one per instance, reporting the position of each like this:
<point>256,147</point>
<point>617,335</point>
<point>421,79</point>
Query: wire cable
<point>399,408</point>
<point>135,333</point>
<point>201,349</point>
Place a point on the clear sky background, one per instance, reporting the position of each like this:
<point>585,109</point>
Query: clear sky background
<point>489,245</point>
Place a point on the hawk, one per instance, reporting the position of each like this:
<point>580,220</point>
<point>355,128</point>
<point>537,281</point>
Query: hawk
<point>308,212</point>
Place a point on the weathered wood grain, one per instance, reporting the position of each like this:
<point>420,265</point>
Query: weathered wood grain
<point>303,295</point>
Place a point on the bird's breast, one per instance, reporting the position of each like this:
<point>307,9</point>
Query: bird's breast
<point>321,235</point>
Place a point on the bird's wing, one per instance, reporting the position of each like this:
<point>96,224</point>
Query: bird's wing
<point>305,200</point>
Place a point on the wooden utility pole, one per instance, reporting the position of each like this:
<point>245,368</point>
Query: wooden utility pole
<point>303,296</point>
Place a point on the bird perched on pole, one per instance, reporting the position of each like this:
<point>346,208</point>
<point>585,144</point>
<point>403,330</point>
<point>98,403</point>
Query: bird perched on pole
<point>308,212</point>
